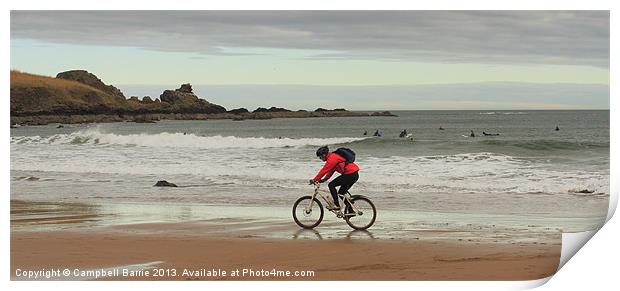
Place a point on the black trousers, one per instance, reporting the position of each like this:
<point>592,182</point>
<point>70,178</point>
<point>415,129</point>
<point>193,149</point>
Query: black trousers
<point>345,181</point>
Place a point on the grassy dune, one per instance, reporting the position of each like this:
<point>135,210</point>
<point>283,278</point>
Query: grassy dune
<point>19,79</point>
<point>33,95</point>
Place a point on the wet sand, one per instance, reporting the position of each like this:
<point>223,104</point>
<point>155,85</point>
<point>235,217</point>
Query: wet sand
<point>48,236</point>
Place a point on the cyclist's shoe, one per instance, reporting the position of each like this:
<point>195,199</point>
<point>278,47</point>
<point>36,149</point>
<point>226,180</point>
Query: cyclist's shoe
<point>333,208</point>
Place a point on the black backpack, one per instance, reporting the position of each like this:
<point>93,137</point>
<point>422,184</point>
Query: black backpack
<point>347,154</point>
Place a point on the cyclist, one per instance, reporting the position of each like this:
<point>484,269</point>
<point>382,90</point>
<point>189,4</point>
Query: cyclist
<point>336,163</point>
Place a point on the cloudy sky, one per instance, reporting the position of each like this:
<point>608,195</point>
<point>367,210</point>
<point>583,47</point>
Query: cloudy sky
<point>352,59</point>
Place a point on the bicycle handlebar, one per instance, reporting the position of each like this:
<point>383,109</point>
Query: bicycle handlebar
<point>316,184</point>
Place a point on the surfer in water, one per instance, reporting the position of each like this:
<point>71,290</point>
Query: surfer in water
<point>490,134</point>
<point>441,127</point>
<point>557,128</point>
<point>472,134</point>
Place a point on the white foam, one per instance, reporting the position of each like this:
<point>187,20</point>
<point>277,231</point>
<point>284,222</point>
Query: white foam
<point>461,173</point>
<point>177,140</point>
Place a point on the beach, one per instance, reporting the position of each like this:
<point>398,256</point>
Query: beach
<point>204,249</point>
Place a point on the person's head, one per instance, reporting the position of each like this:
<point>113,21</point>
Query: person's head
<point>322,153</point>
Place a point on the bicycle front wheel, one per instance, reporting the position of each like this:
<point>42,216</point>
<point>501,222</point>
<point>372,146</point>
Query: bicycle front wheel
<point>364,213</point>
<point>307,212</point>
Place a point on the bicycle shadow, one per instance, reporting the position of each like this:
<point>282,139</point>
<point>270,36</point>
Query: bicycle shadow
<point>304,233</point>
<point>314,234</point>
<point>360,234</point>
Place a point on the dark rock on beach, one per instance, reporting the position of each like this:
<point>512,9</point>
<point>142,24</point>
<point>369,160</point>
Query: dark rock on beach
<point>584,191</point>
<point>164,183</point>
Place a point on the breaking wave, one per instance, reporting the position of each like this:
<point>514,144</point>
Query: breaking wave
<point>165,139</point>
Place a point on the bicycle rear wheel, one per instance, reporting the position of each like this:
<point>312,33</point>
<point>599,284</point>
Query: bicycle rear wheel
<point>308,212</point>
<point>365,213</point>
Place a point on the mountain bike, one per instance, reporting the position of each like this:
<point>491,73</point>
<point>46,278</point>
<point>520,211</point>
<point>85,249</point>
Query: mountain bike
<point>360,213</point>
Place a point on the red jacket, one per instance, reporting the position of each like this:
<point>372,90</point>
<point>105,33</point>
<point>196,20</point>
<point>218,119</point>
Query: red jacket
<point>335,163</point>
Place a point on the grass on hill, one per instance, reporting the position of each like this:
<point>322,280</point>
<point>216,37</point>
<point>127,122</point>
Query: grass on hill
<point>19,79</point>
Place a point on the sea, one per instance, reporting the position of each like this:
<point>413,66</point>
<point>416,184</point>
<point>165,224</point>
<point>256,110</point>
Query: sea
<point>530,178</point>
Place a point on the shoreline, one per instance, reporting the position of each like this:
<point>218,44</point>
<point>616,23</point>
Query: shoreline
<point>154,117</point>
<point>275,222</point>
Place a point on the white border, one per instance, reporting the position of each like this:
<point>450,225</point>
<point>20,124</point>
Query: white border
<point>596,260</point>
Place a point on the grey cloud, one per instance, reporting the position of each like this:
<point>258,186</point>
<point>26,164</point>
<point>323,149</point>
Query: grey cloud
<point>548,37</point>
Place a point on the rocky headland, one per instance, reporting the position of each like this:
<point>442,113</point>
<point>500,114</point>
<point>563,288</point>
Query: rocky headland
<point>81,97</point>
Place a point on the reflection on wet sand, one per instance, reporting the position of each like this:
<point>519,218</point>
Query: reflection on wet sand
<point>256,222</point>
<point>304,233</point>
<point>357,234</point>
<point>24,214</point>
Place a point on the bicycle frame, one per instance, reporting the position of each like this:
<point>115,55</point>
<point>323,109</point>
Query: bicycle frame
<point>328,200</point>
